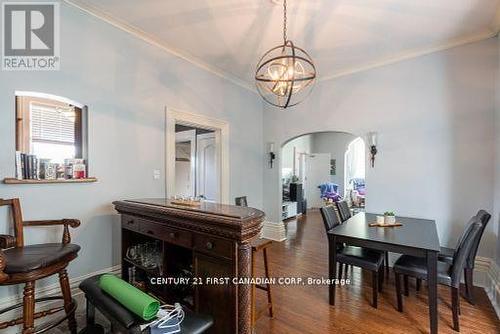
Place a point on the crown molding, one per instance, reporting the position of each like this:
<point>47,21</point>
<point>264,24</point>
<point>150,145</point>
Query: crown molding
<point>138,33</point>
<point>490,32</point>
<point>486,34</point>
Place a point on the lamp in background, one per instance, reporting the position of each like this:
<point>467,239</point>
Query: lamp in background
<point>271,154</point>
<point>372,140</point>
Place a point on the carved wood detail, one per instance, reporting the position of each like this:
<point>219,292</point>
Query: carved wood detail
<point>244,290</point>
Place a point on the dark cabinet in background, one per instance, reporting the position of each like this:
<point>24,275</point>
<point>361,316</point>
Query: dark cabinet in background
<point>297,195</point>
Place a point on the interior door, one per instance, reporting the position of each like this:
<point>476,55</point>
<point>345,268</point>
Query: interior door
<point>317,171</point>
<point>207,177</point>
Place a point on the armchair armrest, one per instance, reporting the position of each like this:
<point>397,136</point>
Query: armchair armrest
<point>7,241</point>
<point>74,223</point>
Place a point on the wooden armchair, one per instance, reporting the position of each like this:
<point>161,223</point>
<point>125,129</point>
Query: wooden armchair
<point>26,264</point>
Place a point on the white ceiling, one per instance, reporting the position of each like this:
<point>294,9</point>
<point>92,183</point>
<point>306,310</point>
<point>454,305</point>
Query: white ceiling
<point>228,37</point>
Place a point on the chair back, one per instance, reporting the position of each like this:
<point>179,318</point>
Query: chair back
<point>17,217</point>
<point>330,219</point>
<point>241,201</point>
<point>483,218</point>
<point>463,250</point>
<point>344,211</point>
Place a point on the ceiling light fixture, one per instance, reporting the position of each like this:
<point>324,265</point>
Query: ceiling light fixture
<point>285,74</point>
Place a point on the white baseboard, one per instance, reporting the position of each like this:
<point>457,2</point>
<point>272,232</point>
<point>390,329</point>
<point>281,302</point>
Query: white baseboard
<point>493,286</point>
<point>274,231</point>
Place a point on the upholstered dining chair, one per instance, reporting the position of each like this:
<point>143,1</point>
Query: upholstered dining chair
<point>447,274</point>
<point>446,255</point>
<point>241,201</point>
<point>343,210</point>
<point>25,264</point>
<point>355,256</point>
<point>344,213</point>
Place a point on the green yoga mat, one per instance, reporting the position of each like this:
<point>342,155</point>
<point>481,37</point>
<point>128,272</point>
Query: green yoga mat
<point>130,297</point>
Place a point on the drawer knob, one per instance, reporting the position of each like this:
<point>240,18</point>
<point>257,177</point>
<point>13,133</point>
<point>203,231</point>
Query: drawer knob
<point>130,222</point>
<point>210,245</point>
<point>171,235</point>
<point>150,232</point>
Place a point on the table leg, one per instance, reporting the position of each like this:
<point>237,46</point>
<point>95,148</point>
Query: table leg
<point>332,268</point>
<point>432,290</point>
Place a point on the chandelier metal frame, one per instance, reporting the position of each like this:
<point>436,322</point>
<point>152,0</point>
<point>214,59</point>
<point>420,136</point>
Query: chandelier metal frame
<point>290,57</point>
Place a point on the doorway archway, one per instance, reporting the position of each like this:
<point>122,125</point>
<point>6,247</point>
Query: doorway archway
<point>321,166</point>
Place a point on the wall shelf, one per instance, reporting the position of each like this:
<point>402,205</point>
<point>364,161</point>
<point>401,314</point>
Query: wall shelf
<point>10,180</point>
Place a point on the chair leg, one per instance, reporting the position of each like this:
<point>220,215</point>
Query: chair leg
<point>90,314</point>
<point>68,301</point>
<point>419,283</point>
<point>252,313</point>
<point>454,307</point>
<point>405,281</point>
<point>469,285</point>
<point>269,296</point>
<point>381,279</point>
<point>386,255</point>
<point>375,288</point>
<point>341,269</point>
<point>398,291</point>
<point>29,308</point>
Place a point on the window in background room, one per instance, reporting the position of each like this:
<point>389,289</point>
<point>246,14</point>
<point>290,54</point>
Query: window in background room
<point>51,137</point>
<point>50,128</point>
<point>55,131</point>
<point>354,181</point>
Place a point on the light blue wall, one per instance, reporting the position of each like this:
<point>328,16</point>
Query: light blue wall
<point>126,84</point>
<point>496,213</point>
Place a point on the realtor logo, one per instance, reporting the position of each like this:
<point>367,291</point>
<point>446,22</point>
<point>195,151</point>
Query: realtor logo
<point>30,36</point>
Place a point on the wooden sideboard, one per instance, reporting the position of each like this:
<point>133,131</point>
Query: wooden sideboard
<point>210,241</point>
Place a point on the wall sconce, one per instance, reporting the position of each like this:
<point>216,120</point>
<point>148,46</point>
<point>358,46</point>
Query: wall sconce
<point>372,139</point>
<point>271,154</point>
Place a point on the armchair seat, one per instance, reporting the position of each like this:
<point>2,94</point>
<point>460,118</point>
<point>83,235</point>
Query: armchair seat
<point>417,267</point>
<point>33,257</point>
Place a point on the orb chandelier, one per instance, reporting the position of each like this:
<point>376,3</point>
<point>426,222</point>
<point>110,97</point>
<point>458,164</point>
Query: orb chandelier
<point>285,74</point>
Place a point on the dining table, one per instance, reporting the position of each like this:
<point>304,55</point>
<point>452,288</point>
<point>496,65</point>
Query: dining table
<point>415,236</point>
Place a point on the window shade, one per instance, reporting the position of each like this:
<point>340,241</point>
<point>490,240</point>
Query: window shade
<point>52,124</point>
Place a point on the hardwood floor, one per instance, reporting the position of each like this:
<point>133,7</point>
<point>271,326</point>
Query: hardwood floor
<point>305,309</point>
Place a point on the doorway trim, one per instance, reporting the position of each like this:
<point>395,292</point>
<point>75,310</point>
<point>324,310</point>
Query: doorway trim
<point>221,129</point>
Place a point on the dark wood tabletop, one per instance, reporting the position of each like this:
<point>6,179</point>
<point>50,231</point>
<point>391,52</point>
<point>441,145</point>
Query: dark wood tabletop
<point>415,232</point>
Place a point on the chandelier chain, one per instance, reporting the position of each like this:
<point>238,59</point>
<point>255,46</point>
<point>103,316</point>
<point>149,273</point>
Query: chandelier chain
<point>284,22</point>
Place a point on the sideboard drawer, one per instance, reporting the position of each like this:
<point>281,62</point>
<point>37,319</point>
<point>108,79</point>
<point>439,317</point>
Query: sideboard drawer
<point>171,235</point>
<point>214,245</point>
<point>130,223</point>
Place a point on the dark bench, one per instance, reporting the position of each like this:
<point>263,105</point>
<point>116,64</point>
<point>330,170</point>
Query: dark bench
<point>124,321</point>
